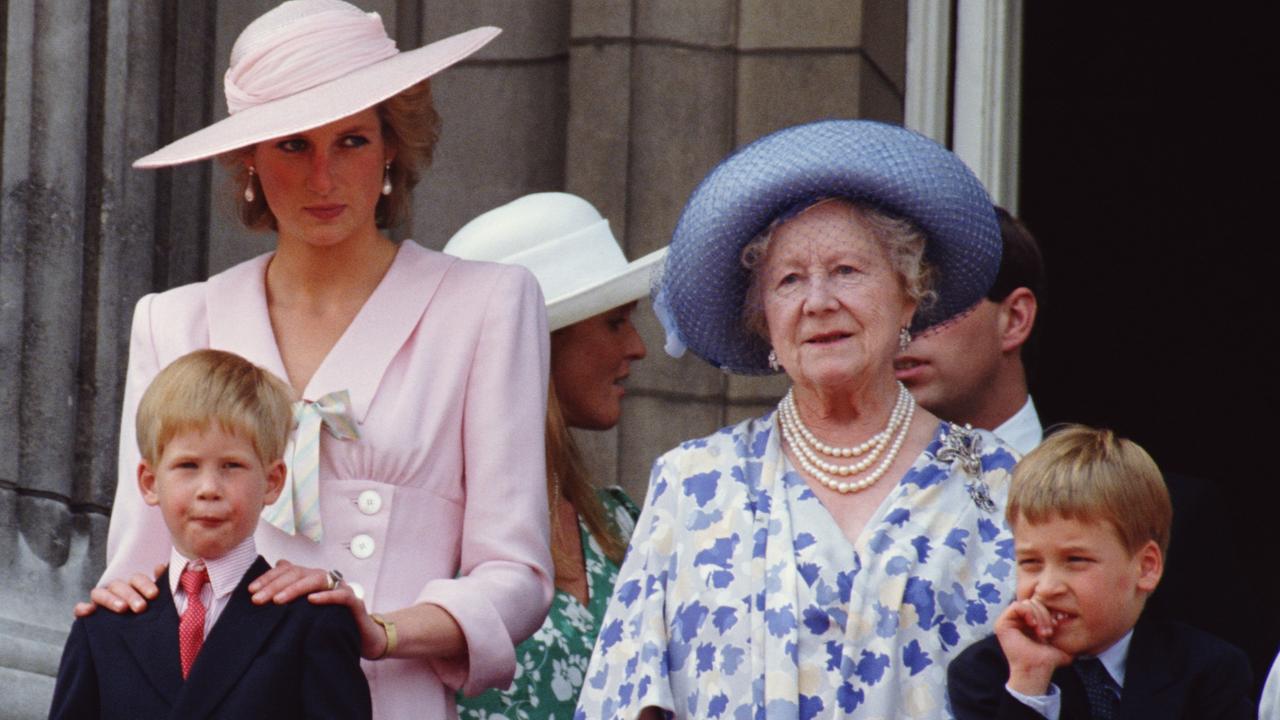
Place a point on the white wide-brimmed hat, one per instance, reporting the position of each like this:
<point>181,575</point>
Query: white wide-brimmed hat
<point>565,242</point>
<point>307,63</point>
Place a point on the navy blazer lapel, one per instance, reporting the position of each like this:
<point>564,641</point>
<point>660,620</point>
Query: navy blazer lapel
<point>1148,673</point>
<point>230,648</point>
<point>152,640</point>
<point>1075,704</point>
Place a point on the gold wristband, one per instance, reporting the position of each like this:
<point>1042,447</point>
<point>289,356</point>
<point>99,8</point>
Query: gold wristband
<point>389,628</point>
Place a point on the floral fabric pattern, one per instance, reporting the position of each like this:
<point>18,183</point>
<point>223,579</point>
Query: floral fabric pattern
<point>551,665</point>
<point>741,598</point>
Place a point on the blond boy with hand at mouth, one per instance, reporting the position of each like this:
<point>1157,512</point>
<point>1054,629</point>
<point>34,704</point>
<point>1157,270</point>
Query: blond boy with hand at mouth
<point>1090,516</point>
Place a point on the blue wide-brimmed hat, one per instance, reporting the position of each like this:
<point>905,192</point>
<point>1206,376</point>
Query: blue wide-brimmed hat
<point>701,293</point>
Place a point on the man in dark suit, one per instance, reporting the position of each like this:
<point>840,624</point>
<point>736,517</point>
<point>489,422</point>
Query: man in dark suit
<point>212,430</point>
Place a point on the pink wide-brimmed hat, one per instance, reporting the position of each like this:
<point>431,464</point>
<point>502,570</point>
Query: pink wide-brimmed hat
<point>307,63</point>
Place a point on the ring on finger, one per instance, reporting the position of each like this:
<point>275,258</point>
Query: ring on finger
<point>335,579</point>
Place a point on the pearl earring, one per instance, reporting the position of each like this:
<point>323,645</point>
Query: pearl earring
<point>773,360</point>
<point>386,179</point>
<point>249,195</point>
<point>904,339</point>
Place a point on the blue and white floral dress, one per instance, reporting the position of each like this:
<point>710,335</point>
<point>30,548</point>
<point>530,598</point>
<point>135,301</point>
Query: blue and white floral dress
<point>741,598</point>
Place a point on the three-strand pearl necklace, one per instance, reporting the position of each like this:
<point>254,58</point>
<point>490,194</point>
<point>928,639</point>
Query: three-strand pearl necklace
<point>809,450</point>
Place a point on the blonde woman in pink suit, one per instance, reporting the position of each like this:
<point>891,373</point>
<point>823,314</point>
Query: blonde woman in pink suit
<point>416,471</point>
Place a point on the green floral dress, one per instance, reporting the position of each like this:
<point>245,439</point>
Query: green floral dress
<point>551,664</point>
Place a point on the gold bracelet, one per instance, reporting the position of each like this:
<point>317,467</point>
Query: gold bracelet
<point>389,628</point>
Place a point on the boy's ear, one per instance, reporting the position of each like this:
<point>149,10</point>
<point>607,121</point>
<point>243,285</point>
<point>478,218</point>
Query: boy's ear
<point>1150,566</point>
<point>147,483</point>
<point>275,481</point>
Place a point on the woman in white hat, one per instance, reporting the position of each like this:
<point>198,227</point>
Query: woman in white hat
<point>591,291</point>
<point>421,377</point>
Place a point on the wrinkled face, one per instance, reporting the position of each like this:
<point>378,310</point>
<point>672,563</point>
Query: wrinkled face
<point>210,486</point>
<point>323,185</point>
<point>1083,574</point>
<point>832,302</point>
<point>950,369</point>
<point>589,361</point>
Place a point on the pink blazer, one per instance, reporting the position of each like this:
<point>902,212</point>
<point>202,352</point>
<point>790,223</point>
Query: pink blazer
<point>441,500</point>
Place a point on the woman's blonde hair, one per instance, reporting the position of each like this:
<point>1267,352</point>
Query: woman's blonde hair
<point>1087,474</point>
<point>566,470</point>
<point>209,387</point>
<point>410,125</point>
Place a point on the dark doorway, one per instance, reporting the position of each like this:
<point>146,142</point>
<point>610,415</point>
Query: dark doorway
<point>1148,173</point>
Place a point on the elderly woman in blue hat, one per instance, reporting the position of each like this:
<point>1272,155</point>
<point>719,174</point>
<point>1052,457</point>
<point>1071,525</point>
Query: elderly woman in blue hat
<point>829,558</point>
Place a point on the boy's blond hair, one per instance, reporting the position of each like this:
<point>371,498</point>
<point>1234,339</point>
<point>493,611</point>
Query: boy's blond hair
<point>212,386</point>
<point>1086,474</point>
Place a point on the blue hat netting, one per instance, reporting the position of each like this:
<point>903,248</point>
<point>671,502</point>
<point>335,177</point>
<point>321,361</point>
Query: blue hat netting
<point>700,294</point>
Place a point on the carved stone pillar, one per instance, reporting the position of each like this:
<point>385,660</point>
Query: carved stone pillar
<point>88,88</point>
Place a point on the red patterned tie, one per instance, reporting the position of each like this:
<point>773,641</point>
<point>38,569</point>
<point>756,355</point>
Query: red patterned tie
<point>191,626</point>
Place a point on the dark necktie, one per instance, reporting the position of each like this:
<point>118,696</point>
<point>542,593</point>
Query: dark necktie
<point>191,626</point>
<point>1101,689</point>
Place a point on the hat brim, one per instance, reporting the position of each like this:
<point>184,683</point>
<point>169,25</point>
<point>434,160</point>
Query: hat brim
<point>629,285</point>
<point>321,104</point>
<point>894,169</point>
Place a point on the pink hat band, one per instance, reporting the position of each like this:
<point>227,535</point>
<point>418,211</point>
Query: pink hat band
<point>307,52</point>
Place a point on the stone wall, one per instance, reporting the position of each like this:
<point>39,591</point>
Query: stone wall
<point>625,102</point>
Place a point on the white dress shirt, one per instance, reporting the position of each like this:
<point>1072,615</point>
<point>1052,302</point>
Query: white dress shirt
<point>1023,430</point>
<point>1269,708</point>
<point>225,573</point>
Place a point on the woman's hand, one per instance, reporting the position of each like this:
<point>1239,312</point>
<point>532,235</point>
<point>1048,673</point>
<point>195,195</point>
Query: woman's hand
<point>286,581</point>
<point>424,630</point>
<point>1025,631</point>
<point>120,596</point>
<point>373,639</point>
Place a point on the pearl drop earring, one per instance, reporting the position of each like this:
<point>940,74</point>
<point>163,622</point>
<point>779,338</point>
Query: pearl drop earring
<point>249,195</point>
<point>386,178</point>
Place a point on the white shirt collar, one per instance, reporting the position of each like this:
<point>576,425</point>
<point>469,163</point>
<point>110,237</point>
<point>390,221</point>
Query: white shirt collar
<point>1114,657</point>
<point>225,572</point>
<point>1023,430</point>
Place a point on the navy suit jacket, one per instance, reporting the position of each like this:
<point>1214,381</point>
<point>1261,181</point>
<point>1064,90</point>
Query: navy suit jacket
<point>1173,671</point>
<point>259,661</point>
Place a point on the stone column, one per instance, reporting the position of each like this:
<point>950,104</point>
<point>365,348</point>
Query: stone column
<point>502,110</point>
<point>88,87</point>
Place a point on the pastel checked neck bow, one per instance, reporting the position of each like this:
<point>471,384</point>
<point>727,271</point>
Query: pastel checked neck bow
<point>297,510</point>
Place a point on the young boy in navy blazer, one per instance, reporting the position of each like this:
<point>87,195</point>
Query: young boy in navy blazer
<point>212,430</point>
<point>1090,516</point>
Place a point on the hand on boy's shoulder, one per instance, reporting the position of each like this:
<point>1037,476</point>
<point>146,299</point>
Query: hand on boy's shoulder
<point>334,620</point>
<point>337,617</point>
<point>1025,633</point>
